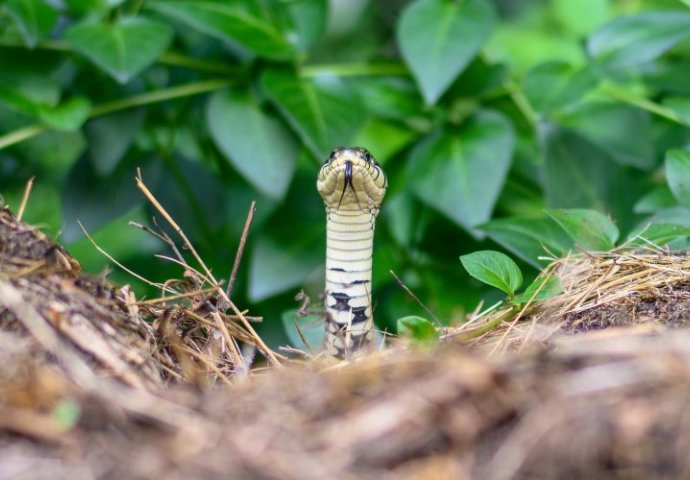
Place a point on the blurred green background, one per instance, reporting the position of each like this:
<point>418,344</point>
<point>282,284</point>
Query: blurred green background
<point>486,116</point>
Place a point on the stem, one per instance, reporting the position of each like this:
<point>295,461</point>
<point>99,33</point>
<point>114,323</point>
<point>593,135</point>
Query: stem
<point>354,70</point>
<point>645,104</point>
<point>158,96</point>
<point>21,135</point>
<point>147,98</point>
<point>487,327</point>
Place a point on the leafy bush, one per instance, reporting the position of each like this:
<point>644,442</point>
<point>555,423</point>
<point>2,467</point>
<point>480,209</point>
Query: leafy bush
<point>527,126</point>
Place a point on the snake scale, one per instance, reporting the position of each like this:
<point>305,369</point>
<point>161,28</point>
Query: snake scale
<point>352,185</point>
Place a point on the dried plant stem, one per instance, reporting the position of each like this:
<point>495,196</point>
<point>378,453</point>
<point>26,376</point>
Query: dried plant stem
<point>240,249</point>
<point>415,298</point>
<point>132,273</point>
<point>259,341</point>
<point>25,197</point>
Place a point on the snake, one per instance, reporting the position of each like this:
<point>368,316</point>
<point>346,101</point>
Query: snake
<point>352,186</point>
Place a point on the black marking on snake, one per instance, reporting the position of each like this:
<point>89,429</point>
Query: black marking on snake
<point>347,182</point>
<point>341,301</point>
<point>359,315</point>
<point>336,269</point>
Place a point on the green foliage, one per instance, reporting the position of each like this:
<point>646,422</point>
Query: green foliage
<point>304,332</point>
<point>590,229</point>
<point>417,328</point>
<point>437,55</point>
<point>542,288</point>
<point>123,48</point>
<point>678,175</point>
<point>531,127</point>
<point>494,268</point>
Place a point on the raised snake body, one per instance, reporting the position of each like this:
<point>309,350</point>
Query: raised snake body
<point>352,186</point>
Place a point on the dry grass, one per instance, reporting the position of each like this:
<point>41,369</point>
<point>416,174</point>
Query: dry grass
<point>600,290</point>
<point>89,388</point>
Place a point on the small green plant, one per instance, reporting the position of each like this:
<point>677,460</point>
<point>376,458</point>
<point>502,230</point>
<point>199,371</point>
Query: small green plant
<point>419,329</point>
<point>499,270</point>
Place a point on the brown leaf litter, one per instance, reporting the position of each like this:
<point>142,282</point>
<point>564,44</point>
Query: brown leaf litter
<point>594,383</point>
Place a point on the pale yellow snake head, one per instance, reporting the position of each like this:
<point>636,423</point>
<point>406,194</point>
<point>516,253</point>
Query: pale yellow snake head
<point>351,180</point>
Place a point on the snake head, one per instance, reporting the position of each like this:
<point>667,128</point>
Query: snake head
<point>351,179</point>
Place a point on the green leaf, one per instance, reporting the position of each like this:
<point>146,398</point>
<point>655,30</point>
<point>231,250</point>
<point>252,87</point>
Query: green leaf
<point>35,19</point>
<point>390,97</point>
<point>85,7</point>
<point>524,44</point>
<point>629,143</point>
<point>110,137</point>
<point>56,152</point>
<point>493,268</point>
<point>658,234</point>
<point>638,39</point>
<point>276,267</point>
<point>658,199</point>
<point>579,174</point>
<point>438,38</point>
<point>30,74</point>
<point>554,85</point>
<point>312,328</point>
<point>122,49</point>
<point>259,146</point>
<point>308,19</point>
<point>323,111</point>
<point>384,138</point>
<point>419,329</point>
<point>461,173</point>
<point>680,105</point>
<point>481,77</point>
<point>528,238</point>
<point>589,229</point>
<point>671,76</point>
<point>548,287</point>
<point>95,201</point>
<point>68,116</point>
<point>117,237</point>
<point>677,166</point>
<point>232,22</point>
<point>44,207</point>
<point>570,14</point>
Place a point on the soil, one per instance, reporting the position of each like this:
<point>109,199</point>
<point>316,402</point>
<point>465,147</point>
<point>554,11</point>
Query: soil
<point>94,384</point>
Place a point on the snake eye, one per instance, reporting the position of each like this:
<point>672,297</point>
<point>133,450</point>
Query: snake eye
<point>330,157</point>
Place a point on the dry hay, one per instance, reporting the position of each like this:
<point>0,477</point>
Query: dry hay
<point>624,288</point>
<point>133,399</point>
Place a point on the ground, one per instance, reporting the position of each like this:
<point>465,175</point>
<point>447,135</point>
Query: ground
<point>594,383</point>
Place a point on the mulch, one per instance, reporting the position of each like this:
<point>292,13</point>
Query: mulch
<point>94,383</point>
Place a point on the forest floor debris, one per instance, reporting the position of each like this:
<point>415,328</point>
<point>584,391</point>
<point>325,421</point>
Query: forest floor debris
<point>593,383</point>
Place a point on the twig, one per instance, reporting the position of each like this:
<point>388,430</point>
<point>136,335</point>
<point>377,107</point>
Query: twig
<point>240,249</point>
<point>301,335</point>
<point>131,272</point>
<point>147,193</point>
<point>25,197</point>
<point>416,299</point>
<point>232,346</point>
<point>180,296</point>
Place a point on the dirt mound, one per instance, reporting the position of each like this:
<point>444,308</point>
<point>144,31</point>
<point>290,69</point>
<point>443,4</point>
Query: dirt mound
<point>89,388</point>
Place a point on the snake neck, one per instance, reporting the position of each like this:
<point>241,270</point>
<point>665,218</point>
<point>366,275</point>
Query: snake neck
<point>349,249</point>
